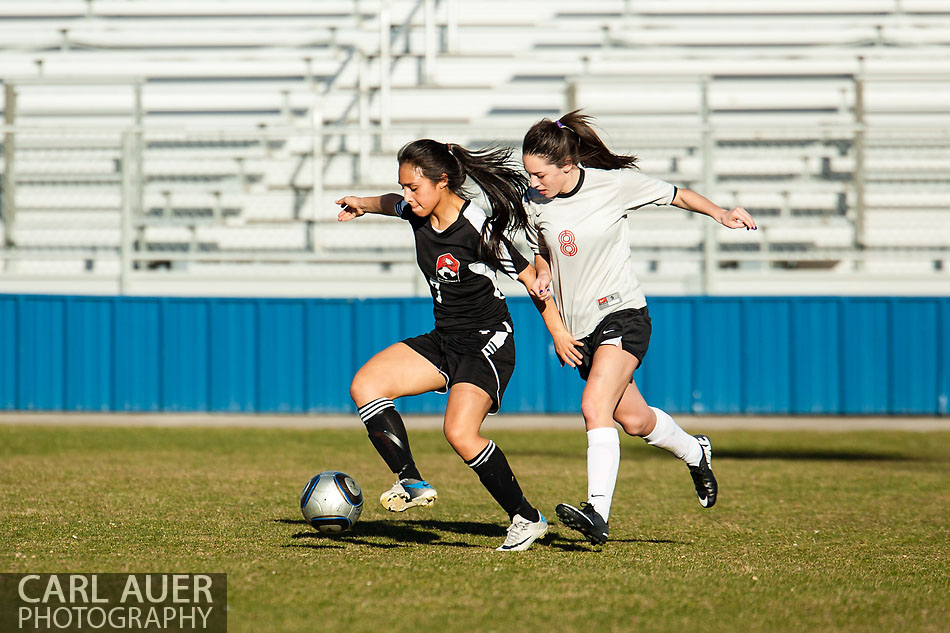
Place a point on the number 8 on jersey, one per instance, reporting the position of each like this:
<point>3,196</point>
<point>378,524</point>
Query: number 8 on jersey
<point>568,247</point>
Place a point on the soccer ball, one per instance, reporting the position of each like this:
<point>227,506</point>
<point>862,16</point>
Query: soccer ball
<point>331,502</point>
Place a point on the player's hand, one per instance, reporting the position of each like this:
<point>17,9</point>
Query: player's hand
<point>351,208</point>
<point>541,287</point>
<point>738,218</point>
<point>566,348</point>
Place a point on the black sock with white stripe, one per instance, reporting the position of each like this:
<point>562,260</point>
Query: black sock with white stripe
<point>388,434</point>
<point>493,471</point>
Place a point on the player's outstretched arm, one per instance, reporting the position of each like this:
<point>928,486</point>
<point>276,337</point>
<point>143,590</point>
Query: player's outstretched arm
<point>354,206</point>
<point>734,219</point>
<point>537,281</point>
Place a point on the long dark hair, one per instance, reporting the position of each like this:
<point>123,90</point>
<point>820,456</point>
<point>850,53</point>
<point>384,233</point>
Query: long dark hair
<point>571,138</point>
<point>492,169</point>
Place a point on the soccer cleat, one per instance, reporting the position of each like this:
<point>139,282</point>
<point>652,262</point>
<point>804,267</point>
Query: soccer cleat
<point>585,520</point>
<point>522,533</point>
<point>703,478</point>
<point>408,493</point>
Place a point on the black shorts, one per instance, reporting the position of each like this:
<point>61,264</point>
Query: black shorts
<point>484,358</point>
<point>630,329</point>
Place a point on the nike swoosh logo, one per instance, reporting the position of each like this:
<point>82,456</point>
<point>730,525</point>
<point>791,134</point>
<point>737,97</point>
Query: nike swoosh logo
<point>518,543</point>
<point>609,331</point>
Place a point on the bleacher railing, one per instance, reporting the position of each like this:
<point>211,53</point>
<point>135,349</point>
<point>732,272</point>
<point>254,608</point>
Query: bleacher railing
<point>138,204</point>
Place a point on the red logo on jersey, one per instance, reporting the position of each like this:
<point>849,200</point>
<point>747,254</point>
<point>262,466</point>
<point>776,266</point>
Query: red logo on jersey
<point>447,268</point>
<point>568,247</point>
<point>602,301</point>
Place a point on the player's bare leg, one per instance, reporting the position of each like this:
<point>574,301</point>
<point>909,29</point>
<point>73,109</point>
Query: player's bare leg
<point>466,410</point>
<point>394,372</point>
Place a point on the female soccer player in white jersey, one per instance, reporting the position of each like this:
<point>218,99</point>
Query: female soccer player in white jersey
<point>471,352</point>
<point>577,208</point>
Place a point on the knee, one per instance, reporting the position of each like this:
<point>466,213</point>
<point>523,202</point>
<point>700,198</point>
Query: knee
<point>364,388</point>
<point>357,390</point>
<point>594,414</point>
<point>462,440</point>
<point>639,422</point>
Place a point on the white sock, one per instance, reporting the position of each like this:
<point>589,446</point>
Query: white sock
<point>669,436</point>
<point>603,462</point>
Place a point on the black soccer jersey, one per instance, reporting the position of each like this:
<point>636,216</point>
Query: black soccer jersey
<point>465,292</point>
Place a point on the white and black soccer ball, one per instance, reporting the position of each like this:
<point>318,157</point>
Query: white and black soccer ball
<point>331,502</point>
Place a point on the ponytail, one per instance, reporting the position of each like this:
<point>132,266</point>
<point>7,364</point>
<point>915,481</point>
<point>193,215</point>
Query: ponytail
<point>572,138</point>
<point>492,169</point>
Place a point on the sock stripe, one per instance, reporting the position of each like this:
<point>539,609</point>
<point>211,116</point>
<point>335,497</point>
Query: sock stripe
<point>367,414</point>
<point>375,402</point>
<point>370,409</point>
<point>482,457</point>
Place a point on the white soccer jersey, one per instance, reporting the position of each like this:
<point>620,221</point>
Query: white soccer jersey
<point>585,235</point>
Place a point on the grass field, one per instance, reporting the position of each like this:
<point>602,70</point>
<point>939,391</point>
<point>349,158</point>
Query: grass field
<point>812,532</point>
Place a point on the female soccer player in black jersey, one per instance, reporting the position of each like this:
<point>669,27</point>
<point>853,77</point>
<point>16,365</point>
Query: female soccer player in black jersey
<point>577,210</point>
<point>470,353</point>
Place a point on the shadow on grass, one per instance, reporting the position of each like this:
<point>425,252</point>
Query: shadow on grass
<point>581,545</point>
<point>804,454</point>
<point>403,533</point>
<point>816,455</point>
<point>431,532</point>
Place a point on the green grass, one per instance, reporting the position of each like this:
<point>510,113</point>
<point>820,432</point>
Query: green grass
<point>813,531</point>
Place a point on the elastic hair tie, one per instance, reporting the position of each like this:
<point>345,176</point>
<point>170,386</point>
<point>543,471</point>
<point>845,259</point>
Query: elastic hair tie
<point>559,124</point>
<point>448,146</point>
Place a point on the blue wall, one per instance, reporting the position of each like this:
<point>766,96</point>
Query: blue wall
<point>756,355</point>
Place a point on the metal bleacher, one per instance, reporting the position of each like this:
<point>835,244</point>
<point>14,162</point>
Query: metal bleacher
<point>157,142</point>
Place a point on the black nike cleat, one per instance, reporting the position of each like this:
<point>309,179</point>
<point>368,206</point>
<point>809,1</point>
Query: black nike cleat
<point>703,478</point>
<point>585,520</point>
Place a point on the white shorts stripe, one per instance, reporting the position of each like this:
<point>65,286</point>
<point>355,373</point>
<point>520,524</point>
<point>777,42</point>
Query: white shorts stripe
<point>496,342</point>
<point>487,356</point>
